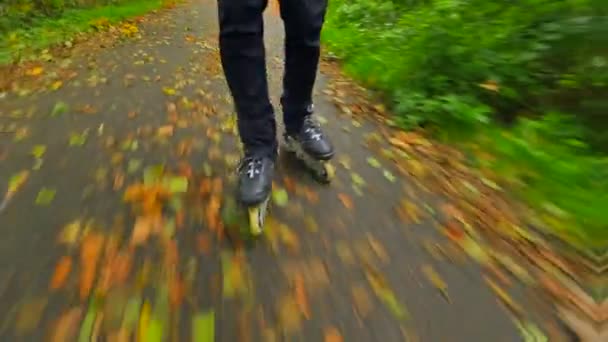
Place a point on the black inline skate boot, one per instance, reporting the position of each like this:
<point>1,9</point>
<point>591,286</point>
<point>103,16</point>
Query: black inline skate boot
<point>313,148</point>
<point>254,188</point>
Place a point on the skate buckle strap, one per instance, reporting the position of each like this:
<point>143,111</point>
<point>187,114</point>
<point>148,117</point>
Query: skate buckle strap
<point>253,166</point>
<point>312,129</point>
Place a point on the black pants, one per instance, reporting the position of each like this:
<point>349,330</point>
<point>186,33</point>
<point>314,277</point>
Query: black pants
<point>243,59</point>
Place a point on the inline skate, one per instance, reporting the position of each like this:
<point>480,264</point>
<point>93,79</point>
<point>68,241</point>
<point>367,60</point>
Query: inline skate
<point>312,147</point>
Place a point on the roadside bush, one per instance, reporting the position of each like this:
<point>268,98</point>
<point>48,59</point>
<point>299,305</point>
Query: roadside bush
<point>528,78</point>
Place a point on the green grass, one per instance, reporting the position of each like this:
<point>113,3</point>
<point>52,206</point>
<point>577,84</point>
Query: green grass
<point>25,39</point>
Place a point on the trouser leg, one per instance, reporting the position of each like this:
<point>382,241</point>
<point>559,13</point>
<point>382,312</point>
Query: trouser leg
<point>243,60</point>
<point>303,23</point>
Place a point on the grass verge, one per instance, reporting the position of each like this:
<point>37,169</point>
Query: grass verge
<point>446,66</point>
<point>24,40</point>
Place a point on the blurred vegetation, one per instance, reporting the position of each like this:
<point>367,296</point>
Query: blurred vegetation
<point>522,85</point>
<point>29,25</point>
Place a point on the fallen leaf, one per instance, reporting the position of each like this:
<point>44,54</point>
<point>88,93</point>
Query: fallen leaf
<point>59,108</point>
<point>144,227</point>
<point>56,85</point>
<point>389,176</point>
<point>169,91</point>
<point>203,327</point>
<point>490,85</point>
<point>346,201</point>
<point>345,253</point>
<point>300,296</point>
<point>35,71</point>
<point>333,335</point>
<point>66,326</point>
<point>119,180</point>
<point>70,233</point>
<point>357,179</point>
<point>373,162</point>
<point>177,184</point>
<point>131,314</point>
<point>290,317</point>
<point>45,196</point>
<point>62,271</point>
<point>78,139</point>
<point>38,151</point>
<point>584,329</point>
<point>280,197</point>
<point>14,184</point>
<point>17,180</point>
<point>361,301</point>
<point>385,294</point>
<point>134,165</point>
<point>378,248</point>
<point>88,325</point>
<point>89,254</point>
<point>165,131</point>
<point>436,281</point>
<point>531,333</point>
<point>29,315</point>
<point>289,238</point>
<point>504,297</point>
<point>203,243</point>
<point>144,322</point>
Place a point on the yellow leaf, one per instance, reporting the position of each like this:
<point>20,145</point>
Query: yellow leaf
<point>169,91</point>
<point>333,335</point>
<point>490,85</point>
<point>144,321</point>
<point>35,71</point>
<point>436,280</point>
<point>56,85</point>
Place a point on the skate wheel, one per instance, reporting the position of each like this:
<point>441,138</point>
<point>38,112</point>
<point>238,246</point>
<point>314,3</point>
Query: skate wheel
<point>329,172</point>
<point>255,221</point>
<point>257,216</point>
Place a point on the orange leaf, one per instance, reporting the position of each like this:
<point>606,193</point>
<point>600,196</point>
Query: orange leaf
<point>213,213</point>
<point>165,131</point>
<point>171,256</point>
<point>205,186</point>
<point>300,295</point>
<point>290,185</point>
<point>333,335</point>
<point>89,255</point>
<point>346,201</point>
<point>311,196</point>
<point>121,267</point>
<point>179,219</point>
<point>66,327</point>
<point>176,291</point>
<point>62,270</point>
<point>119,180</point>
<point>203,243</point>
<point>144,227</point>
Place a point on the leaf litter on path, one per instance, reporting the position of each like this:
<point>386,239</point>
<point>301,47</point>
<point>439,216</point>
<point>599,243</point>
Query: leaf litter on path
<point>66,326</point>
<point>332,335</point>
<point>45,196</point>
<point>435,279</point>
<point>90,253</point>
<point>29,315</point>
<point>62,271</point>
<point>14,184</point>
<point>384,293</point>
<point>203,327</point>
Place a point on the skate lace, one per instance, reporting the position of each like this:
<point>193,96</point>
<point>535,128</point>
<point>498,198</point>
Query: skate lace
<point>252,166</point>
<point>312,129</point>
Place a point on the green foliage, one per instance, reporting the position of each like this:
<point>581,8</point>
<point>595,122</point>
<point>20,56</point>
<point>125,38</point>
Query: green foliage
<point>527,79</point>
<point>32,25</point>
